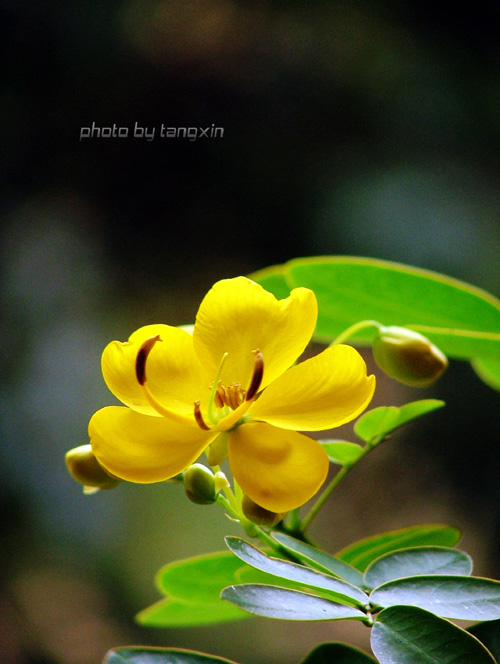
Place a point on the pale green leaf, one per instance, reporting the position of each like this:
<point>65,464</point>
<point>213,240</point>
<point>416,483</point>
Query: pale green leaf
<point>171,612</point>
<point>454,597</point>
<point>198,579</point>
<point>319,559</point>
<point>408,635</point>
<point>361,553</point>
<point>380,422</point>
<point>285,604</point>
<point>192,588</point>
<point>342,452</point>
<point>298,573</point>
<point>423,560</point>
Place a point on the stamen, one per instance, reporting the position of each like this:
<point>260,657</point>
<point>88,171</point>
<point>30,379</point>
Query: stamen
<point>219,396</point>
<point>199,417</point>
<point>258,373</point>
<point>142,356</point>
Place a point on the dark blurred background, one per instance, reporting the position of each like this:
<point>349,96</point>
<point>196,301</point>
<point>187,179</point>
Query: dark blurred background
<point>364,128</point>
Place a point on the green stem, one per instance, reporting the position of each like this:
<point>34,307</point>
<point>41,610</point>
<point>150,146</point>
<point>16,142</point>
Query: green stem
<point>351,331</point>
<point>266,539</point>
<point>226,504</point>
<point>306,521</point>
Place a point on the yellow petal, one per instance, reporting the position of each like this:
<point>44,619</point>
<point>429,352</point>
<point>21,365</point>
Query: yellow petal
<point>237,316</point>
<point>174,374</point>
<point>325,391</point>
<point>279,470</point>
<point>141,448</point>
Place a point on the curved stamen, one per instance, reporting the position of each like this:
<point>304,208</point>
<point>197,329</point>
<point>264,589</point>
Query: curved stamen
<point>140,373</point>
<point>199,417</point>
<point>258,373</point>
<point>142,356</point>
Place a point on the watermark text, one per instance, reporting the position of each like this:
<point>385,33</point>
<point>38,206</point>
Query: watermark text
<point>150,133</point>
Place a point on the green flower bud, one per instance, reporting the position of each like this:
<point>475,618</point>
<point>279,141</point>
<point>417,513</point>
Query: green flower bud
<point>408,356</point>
<point>257,514</point>
<point>85,469</point>
<point>199,484</point>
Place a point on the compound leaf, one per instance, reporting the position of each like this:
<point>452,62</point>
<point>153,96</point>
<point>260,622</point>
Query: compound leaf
<point>417,561</point>
<point>361,553</point>
<point>408,635</point>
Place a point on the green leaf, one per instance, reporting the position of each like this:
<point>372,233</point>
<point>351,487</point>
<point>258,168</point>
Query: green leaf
<point>380,422</point>
<point>192,588</point>
<point>454,597</point>
<point>198,579</point>
<point>171,612</point>
<point>337,653</point>
<point>273,279</point>
<point>342,452</point>
<point>361,553</point>
<point>140,655</point>
<point>489,634</point>
<point>319,559</point>
<point>417,561</point>
<point>463,321</point>
<point>286,604</point>
<point>407,635</point>
<point>298,573</point>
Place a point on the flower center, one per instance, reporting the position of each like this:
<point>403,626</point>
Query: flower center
<point>227,403</point>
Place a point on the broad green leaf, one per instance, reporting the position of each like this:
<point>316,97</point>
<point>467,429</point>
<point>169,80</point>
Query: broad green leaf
<point>198,579</point>
<point>379,422</point>
<point>361,553</point>
<point>273,280</point>
<point>463,321</point>
<point>141,655</point>
<point>193,589</point>
<point>285,604</point>
<point>337,653</point>
<point>454,597</point>
<point>423,560</point>
<point>489,634</point>
<point>295,572</point>
<point>171,612</point>
<point>319,559</point>
<point>408,635</point>
<point>342,452</point>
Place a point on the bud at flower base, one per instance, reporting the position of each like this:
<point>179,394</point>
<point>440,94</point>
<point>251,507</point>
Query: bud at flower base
<point>85,469</point>
<point>258,515</point>
<point>199,485</point>
<point>408,356</point>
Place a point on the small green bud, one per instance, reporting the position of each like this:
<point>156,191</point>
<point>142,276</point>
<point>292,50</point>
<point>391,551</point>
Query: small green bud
<point>85,469</point>
<point>199,484</point>
<point>408,356</point>
<point>258,515</point>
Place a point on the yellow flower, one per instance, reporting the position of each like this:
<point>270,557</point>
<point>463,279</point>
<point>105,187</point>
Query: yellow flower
<point>231,388</point>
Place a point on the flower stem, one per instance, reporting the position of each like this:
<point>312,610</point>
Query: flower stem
<point>306,521</point>
<point>351,331</point>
